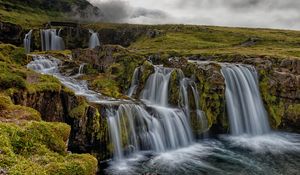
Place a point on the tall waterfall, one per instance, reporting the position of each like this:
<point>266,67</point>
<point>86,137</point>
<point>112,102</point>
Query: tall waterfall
<point>245,108</point>
<point>51,40</point>
<point>94,40</point>
<point>27,41</point>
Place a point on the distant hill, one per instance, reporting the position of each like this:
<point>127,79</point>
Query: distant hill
<point>29,13</point>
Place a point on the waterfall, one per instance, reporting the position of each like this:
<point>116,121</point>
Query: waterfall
<point>50,66</point>
<point>164,129</point>
<point>80,70</point>
<point>50,40</point>
<point>154,126</point>
<point>185,84</point>
<point>134,82</point>
<point>94,40</point>
<point>27,42</point>
<point>156,88</point>
<point>245,108</point>
<point>133,126</point>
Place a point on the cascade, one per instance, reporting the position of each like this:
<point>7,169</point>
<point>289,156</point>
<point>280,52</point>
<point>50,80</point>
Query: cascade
<point>245,107</point>
<point>94,40</point>
<point>50,65</point>
<point>27,41</point>
<point>153,126</point>
<point>51,40</point>
<point>156,88</point>
<point>134,82</point>
<point>185,84</point>
<point>156,126</point>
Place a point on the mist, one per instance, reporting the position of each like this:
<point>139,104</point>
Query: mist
<point>284,14</point>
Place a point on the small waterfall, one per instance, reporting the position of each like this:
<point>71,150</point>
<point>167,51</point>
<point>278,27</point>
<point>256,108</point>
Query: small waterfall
<point>27,42</point>
<point>50,66</point>
<point>134,82</point>
<point>51,40</point>
<point>245,108</point>
<point>80,70</point>
<point>186,83</point>
<point>94,40</point>
<point>157,86</point>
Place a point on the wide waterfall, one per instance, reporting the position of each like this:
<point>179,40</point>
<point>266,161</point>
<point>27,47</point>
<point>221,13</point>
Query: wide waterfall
<point>94,40</point>
<point>151,135</point>
<point>245,107</point>
<point>156,125</point>
<point>50,40</point>
<point>135,127</point>
<point>27,41</point>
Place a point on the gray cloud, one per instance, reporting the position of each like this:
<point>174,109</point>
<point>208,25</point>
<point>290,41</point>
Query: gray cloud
<point>122,11</point>
<point>248,13</point>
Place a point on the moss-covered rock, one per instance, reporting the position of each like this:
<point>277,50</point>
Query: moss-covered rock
<point>40,148</point>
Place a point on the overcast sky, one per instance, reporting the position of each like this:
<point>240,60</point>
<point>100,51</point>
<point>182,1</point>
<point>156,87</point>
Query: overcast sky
<point>247,13</point>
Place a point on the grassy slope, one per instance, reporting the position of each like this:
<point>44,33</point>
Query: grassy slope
<point>34,13</point>
<point>182,39</point>
<point>203,40</point>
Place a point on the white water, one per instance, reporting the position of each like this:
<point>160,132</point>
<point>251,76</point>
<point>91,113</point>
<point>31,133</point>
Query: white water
<point>50,66</point>
<point>157,126</point>
<point>94,40</point>
<point>50,40</point>
<point>147,128</point>
<point>134,82</point>
<point>157,86</point>
<point>245,108</point>
<point>27,42</point>
<point>185,84</point>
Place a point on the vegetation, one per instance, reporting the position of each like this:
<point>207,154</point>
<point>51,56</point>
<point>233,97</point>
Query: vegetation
<point>29,145</point>
<point>40,148</point>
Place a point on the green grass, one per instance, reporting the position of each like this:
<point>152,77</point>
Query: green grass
<point>202,40</point>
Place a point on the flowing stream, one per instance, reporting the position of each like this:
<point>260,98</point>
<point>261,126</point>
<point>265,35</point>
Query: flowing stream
<point>149,135</point>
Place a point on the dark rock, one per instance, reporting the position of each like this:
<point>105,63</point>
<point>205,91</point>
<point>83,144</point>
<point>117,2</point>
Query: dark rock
<point>10,33</point>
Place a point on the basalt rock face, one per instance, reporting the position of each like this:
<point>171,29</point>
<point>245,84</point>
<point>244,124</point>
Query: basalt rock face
<point>10,33</point>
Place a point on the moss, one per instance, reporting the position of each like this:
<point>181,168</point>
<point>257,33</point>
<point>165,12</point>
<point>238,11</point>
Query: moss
<point>9,80</point>
<point>35,148</point>
<point>16,112</point>
<point>79,110</point>
<point>274,106</point>
<point>174,89</point>
<point>293,112</point>
<point>45,83</point>
<point>106,85</point>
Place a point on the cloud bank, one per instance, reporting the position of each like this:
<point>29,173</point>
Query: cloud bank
<point>246,13</point>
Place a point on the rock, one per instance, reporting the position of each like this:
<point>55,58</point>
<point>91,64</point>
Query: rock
<point>10,33</point>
